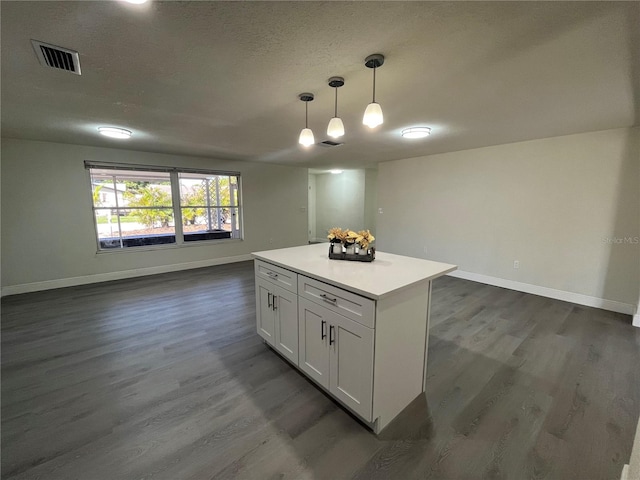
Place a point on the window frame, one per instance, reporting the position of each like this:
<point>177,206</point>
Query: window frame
<point>176,205</point>
<point>237,230</point>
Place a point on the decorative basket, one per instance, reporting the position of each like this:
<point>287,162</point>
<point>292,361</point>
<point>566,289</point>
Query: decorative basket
<point>354,257</point>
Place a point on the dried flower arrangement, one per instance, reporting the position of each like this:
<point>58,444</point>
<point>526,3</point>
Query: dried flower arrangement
<point>351,238</point>
<point>364,238</point>
<point>344,241</point>
<point>337,235</point>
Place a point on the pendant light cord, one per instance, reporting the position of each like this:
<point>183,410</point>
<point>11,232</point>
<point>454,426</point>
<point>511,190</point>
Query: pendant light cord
<point>306,114</point>
<point>374,84</point>
<point>335,114</point>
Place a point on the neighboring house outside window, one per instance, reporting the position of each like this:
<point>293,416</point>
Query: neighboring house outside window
<point>136,206</point>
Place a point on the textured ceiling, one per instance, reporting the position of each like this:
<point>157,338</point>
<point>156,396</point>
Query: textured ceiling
<point>221,79</point>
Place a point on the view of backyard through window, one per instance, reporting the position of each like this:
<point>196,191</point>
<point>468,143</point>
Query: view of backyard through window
<point>137,208</point>
<point>208,203</point>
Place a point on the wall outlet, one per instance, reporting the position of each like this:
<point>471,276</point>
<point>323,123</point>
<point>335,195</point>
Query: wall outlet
<point>380,210</point>
<point>516,264</point>
<point>271,240</point>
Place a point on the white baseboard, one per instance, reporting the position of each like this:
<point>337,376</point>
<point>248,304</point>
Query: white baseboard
<point>636,320</point>
<point>105,277</point>
<point>631,471</point>
<point>578,298</point>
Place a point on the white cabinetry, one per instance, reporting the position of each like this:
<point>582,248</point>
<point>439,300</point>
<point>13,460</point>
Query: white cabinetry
<point>277,317</point>
<point>338,300</point>
<point>358,330</point>
<point>265,315</point>
<point>313,327</point>
<point>337,353</point>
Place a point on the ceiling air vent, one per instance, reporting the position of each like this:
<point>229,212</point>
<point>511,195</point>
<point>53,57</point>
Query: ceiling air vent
<point>329,143</point>
<point>57,57</point>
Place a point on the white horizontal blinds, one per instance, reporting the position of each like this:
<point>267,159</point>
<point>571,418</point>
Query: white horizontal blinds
<point>156,168</point>
<point>127,167</point>
<point>130,176</point>
<point>208,172</point>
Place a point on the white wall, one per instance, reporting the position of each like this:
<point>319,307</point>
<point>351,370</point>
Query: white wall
<point>346,200</point>
<point>548,203</point>
<point>48,236</point>
<point>312,207</point>
<point>370,199</point>
<point>339,201</point>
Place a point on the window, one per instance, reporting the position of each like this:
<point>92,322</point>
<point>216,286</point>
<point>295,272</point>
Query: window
<point>143,206</point>
<point>208,206</point>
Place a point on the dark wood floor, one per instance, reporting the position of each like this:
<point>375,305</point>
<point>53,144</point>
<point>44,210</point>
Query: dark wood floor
<point>164,377</point>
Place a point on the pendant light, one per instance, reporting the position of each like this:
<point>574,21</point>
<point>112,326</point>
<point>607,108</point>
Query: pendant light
<point>373,114</point>
<point>335,128</point>
<point>306,135</point>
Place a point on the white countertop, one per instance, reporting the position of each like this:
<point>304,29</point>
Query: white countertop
<point>387,274</point>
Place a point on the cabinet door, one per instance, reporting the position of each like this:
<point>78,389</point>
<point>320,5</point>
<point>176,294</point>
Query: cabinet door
<point>286,318</point>
<point>313,335</point>
<point>351,365</point>
<point>265,314</point>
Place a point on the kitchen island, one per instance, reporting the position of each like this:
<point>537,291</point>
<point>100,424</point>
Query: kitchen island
<point>359,330</point>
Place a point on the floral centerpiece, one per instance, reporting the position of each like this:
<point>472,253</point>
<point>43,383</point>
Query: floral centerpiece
<point>364,239</point>
<point>337,237</point>
<point>350,239</point>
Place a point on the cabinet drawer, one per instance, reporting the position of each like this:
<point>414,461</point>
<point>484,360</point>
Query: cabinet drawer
<point>277,275</point>
<point>352,306</point>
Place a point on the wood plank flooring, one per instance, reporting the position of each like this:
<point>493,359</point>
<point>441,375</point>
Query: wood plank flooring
<point>164,377</point>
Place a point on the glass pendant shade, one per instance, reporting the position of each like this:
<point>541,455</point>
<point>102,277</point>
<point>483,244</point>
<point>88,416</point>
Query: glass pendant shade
<point>306,137</point>
<point>335,128</point>
<point>373,115</point>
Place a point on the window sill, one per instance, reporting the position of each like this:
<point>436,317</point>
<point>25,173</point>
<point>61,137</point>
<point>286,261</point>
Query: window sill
<point>168,246</point>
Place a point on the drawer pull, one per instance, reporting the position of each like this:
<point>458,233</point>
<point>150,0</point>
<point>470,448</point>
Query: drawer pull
<point>328,299</point>
<point>272,275</point>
